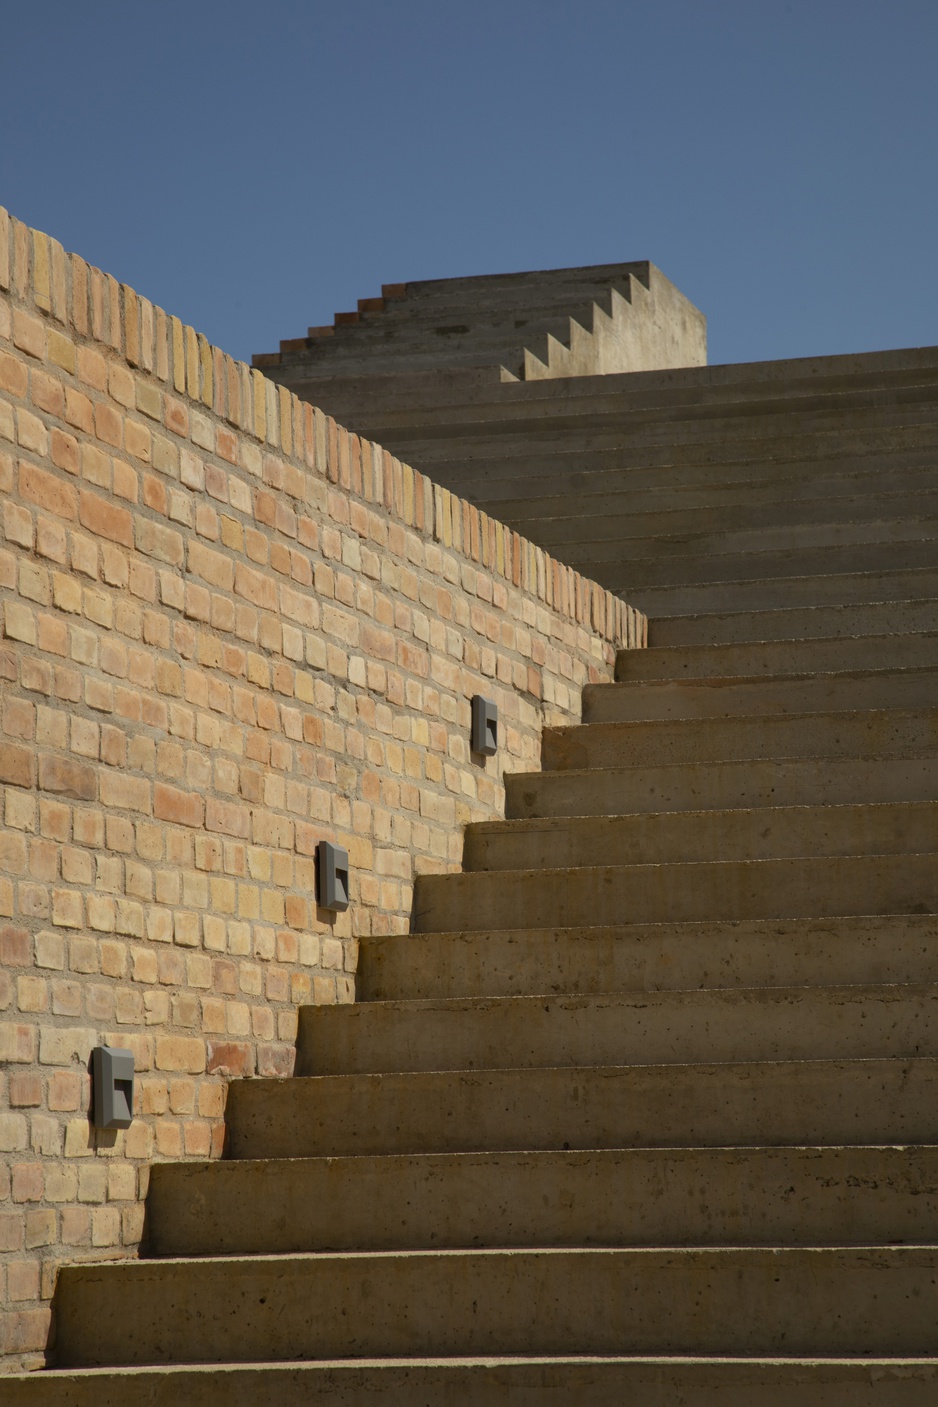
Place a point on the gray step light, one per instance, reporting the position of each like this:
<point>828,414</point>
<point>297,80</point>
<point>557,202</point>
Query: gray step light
<point>484,726</point>
<point>112,1075</point>
<point>332,863</point>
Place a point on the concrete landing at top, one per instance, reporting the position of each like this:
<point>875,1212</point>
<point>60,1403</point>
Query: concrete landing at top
<point>527,326</point>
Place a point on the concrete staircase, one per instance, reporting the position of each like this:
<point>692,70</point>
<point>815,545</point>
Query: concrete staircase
<point>530,326</point>
<point>700,489</point>
<point>646,1108</point>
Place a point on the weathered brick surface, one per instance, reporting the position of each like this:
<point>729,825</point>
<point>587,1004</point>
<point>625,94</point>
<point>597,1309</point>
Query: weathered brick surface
<point>230,629</point>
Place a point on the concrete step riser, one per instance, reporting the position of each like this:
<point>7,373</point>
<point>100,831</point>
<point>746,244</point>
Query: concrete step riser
<point>788,593</point>
<point>791,522</point>
<point>455,449</point>
<point>668,388</point>
<point>734,696</point>
<point>620,572</point>
<point>500,1382</point>
<point>680,1106</point>
<point>593,419</point>
<point>614,1301</point>
<point>767,496</point>
<point>639,1197</point>
<point>512,474</point>
<point>884,733</point>
<point>720,786</point>
<point>674,893</point>
<point>461,394</point>
<point>575,542</point>
<point>810,623</point>
<point>673,957</point>
<point>880,733</point>
<point>861,1023</point>
<point>648,838</point>
<point>807,656</point>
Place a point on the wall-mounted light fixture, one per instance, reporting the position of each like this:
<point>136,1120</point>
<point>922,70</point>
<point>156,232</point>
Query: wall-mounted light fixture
<point>484,726</point>
<point>112,1077</point>
<point>332,862</point>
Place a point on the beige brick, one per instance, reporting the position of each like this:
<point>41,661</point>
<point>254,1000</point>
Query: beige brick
<point>62,1045</point>
<point>19,623</point>
<point>14,1132</point>
<point>29,334</point>
<point>79,1139</point>
<point>180,1053</point>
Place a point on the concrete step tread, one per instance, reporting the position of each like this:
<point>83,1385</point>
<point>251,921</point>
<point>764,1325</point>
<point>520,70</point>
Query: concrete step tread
<point>755,815</point>
<point>845,780</point>
<point>825,589</point>
<point>702,444</point>
<point>848,518</point>
<point>794,624</point>
<point>634,565</point>
<point>671,660</point>
<point>141,1271</point>
<point>593,499</point>
<point>487,1380</point>
<point>649,957</point>
<point>624,522</point>
<point>500,472</point>
<point>685,866</point>
<point>644,1300</point>
<point>854,1101</point>
<point>510,414</point>
<point>796,886</point>
<point>618,1028</point>
<point>700,835</point>
<point>792,1196</point>
<point>703,691</point>
<point>825,733</point>
<point>559,1003</point>
<point>519,488</point>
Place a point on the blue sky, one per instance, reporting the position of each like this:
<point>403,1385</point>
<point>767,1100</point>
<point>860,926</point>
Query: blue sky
<point>256,167</point>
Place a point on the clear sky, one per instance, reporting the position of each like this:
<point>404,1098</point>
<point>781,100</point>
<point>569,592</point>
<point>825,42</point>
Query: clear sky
<point>256,167</point>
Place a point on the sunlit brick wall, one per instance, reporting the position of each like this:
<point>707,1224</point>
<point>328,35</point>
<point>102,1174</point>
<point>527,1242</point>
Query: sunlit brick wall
<point>230,629</point>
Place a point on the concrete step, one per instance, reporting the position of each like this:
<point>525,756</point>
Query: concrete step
<point>633,576</point>
<point>893,732</point>
<point>783,521</point>
<point>469,464</point>
<point>590,405</point>
<point>817,781</point>
<point>880,618</point>
<point>811,656</point>
<point>620,1028</point>
<point>732,383</point>
<point>732,695</point>
<point>654,562</point>
<point>528,1381</point>
<point>758,1301</point>
<point>789,593</point>
<point>606,1197</point>
<point>609,419</point>
<point>511,473</point>
<point>797,887</point>
<point>650,957</point>
<point>675,388</point>
<point>670,837</point>
<point>852,1102</point>
<point>814,492</point>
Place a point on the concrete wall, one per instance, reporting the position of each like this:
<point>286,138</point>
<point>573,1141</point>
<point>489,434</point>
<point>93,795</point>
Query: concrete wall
<point>557,322</point>
<point>654,329</point>
<point>230,629</point>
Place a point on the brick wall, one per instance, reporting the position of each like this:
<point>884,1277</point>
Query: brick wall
<point>229,629</point>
